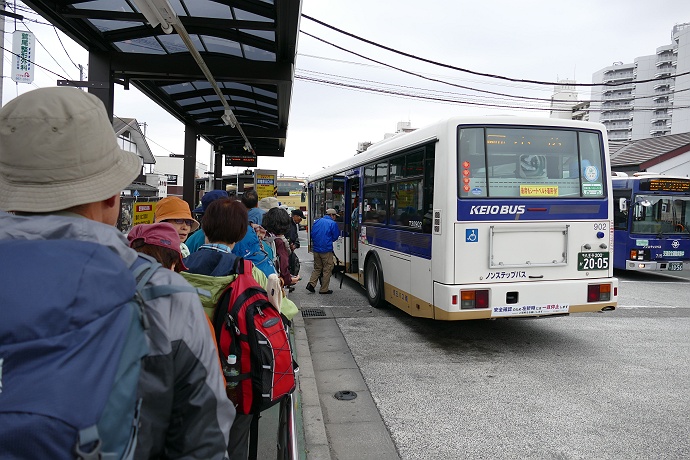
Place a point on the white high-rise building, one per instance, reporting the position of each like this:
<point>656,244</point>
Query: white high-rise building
<point>637,109</point>
<point>563,100</point>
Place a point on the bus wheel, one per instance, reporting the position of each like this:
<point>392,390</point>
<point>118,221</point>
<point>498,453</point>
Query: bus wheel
<point>373,282</point>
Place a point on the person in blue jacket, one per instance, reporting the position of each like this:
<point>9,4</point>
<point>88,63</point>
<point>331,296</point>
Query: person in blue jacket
<point>323,233</point>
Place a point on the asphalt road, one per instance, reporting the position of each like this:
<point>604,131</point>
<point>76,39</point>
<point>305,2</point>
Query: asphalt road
<point>612,385</point>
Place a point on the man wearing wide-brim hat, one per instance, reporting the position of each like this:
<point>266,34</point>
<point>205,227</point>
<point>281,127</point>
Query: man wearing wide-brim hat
<point>61,176</point>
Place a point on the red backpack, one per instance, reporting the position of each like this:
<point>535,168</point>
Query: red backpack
<point>248,326</point>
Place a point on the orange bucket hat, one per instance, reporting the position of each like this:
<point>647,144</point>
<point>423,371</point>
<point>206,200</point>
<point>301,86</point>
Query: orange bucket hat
<point>173,207</point>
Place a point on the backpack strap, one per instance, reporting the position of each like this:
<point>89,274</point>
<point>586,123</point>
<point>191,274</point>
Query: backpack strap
<point>143,269</point>
<point>152,292</point>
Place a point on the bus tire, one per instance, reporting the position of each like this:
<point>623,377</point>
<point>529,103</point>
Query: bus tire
<point>373,282</point>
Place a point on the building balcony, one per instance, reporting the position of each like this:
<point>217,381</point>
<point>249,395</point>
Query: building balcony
<point>616,109</point>
<point>664,74</point>
<point>618,97</point>
<point>618,88</point>
<point>655,132</point>
<point>661,119</point>
<point>623,136</point>
<point>664,84</point>
<point>619,74</point>
<point>607,118</point>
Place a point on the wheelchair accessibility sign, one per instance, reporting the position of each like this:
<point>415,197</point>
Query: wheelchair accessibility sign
<point>471,235</point>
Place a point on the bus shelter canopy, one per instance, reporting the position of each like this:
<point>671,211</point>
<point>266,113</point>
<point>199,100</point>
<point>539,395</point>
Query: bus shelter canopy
<point>248,46</point>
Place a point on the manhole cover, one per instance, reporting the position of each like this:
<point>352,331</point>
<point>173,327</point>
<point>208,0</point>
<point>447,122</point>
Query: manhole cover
<point>312,312</point>
<point>345,395</point>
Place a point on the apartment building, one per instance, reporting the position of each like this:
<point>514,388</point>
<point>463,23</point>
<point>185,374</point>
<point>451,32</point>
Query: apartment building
<point>648,98</point>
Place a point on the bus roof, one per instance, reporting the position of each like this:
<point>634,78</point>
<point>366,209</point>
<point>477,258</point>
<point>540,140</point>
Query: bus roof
<point>431,133</point>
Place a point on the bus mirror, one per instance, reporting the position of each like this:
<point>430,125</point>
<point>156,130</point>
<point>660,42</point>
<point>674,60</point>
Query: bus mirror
<point>623,205</point>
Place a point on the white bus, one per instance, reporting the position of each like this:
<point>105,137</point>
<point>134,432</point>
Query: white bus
<point>479,217</point>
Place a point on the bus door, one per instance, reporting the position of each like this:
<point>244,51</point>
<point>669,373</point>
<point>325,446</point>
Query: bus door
<point>335,198</point>
<point>352,222</point>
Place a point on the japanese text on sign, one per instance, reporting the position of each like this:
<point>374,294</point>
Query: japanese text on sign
<point>515,310</point>
<point>538,190</point>
<point>505,275</point>
<point>22,58</point>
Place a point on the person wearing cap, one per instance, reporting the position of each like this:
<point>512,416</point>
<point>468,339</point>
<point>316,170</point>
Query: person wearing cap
<point>324,232</point>
<point>250,199</point>
<point>198,238</point>
<point>61,176</point>
<point>175,211</point>
<point>159,241</point>
<point>293,232</point>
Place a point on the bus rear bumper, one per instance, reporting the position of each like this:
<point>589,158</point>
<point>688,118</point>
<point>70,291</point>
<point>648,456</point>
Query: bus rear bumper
<point>656,266</point>
<point>525,299</point>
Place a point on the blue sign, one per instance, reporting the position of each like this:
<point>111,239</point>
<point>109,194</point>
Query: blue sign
<point>135,193</point>
<point>471,235</point>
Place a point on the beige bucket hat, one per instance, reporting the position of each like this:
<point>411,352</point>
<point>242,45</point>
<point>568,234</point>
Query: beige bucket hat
<point>58,150</point>
<point>268,203</point>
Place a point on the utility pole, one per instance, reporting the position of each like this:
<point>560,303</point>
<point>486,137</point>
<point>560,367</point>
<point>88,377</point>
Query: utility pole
<point>2,47</point>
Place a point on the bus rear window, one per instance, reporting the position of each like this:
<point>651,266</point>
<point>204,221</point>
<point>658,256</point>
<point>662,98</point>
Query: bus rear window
<point>506,162</point>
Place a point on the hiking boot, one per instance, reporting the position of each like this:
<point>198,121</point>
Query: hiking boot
<point>327,292</point>
<point>310,288</point>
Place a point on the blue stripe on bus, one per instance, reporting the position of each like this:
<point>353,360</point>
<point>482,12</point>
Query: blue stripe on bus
<point>532,209</point>
<point>413,243</point>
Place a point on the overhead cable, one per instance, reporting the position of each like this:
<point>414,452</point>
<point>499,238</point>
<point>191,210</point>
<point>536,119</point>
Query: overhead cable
<point>473,72</point>
<point>398,93</point>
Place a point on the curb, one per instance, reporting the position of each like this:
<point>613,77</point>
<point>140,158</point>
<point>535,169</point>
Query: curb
<point>315,439</point>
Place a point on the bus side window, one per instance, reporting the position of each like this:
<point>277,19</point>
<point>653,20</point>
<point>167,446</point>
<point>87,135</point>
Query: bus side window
<point>620,215</point>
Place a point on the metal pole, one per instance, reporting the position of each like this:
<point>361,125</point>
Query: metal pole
<point>2,47</point>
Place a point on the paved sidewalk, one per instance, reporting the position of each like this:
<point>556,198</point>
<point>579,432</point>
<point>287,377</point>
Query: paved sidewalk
<point>333,428</point>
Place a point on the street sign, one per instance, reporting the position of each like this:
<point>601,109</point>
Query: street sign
<point>265,182</point>
<point>23,50</point>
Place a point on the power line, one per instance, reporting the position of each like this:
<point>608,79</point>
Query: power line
<point>397,93</point>
<point>473,72</point>
<point>65,49</point>
<point>46,49</point>
<point>418,74</point>
<point>493,83</point>
<point>34,63</point>
<point>556,101</point>
<point>527,98</point>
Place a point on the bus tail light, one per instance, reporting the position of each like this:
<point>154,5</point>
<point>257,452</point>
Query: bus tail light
<point>639,254</point>
<point>598,292</point>
<point>474,299</point>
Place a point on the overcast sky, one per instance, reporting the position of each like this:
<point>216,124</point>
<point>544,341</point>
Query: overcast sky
<point>542,40</point>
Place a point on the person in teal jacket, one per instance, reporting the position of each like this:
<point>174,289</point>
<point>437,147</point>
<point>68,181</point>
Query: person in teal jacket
<point>324,233</point>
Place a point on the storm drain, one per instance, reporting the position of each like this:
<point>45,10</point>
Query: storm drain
<point>313,312</point>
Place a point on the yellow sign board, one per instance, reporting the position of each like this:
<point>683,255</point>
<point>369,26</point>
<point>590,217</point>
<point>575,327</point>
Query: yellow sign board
<point>143,213</point>
<point>265,182</point>
<point>538,190</point>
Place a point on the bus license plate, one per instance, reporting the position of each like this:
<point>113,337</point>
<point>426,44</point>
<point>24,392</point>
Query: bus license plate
<point>592,261</point>
<point>675,266</point>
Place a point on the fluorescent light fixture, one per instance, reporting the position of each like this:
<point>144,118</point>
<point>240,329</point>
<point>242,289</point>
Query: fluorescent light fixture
<point>229,118</point>
<point>158,12</point>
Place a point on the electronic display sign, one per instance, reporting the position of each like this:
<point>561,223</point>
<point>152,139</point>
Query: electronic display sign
<point>665,184</point>
<point>236,160</point>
